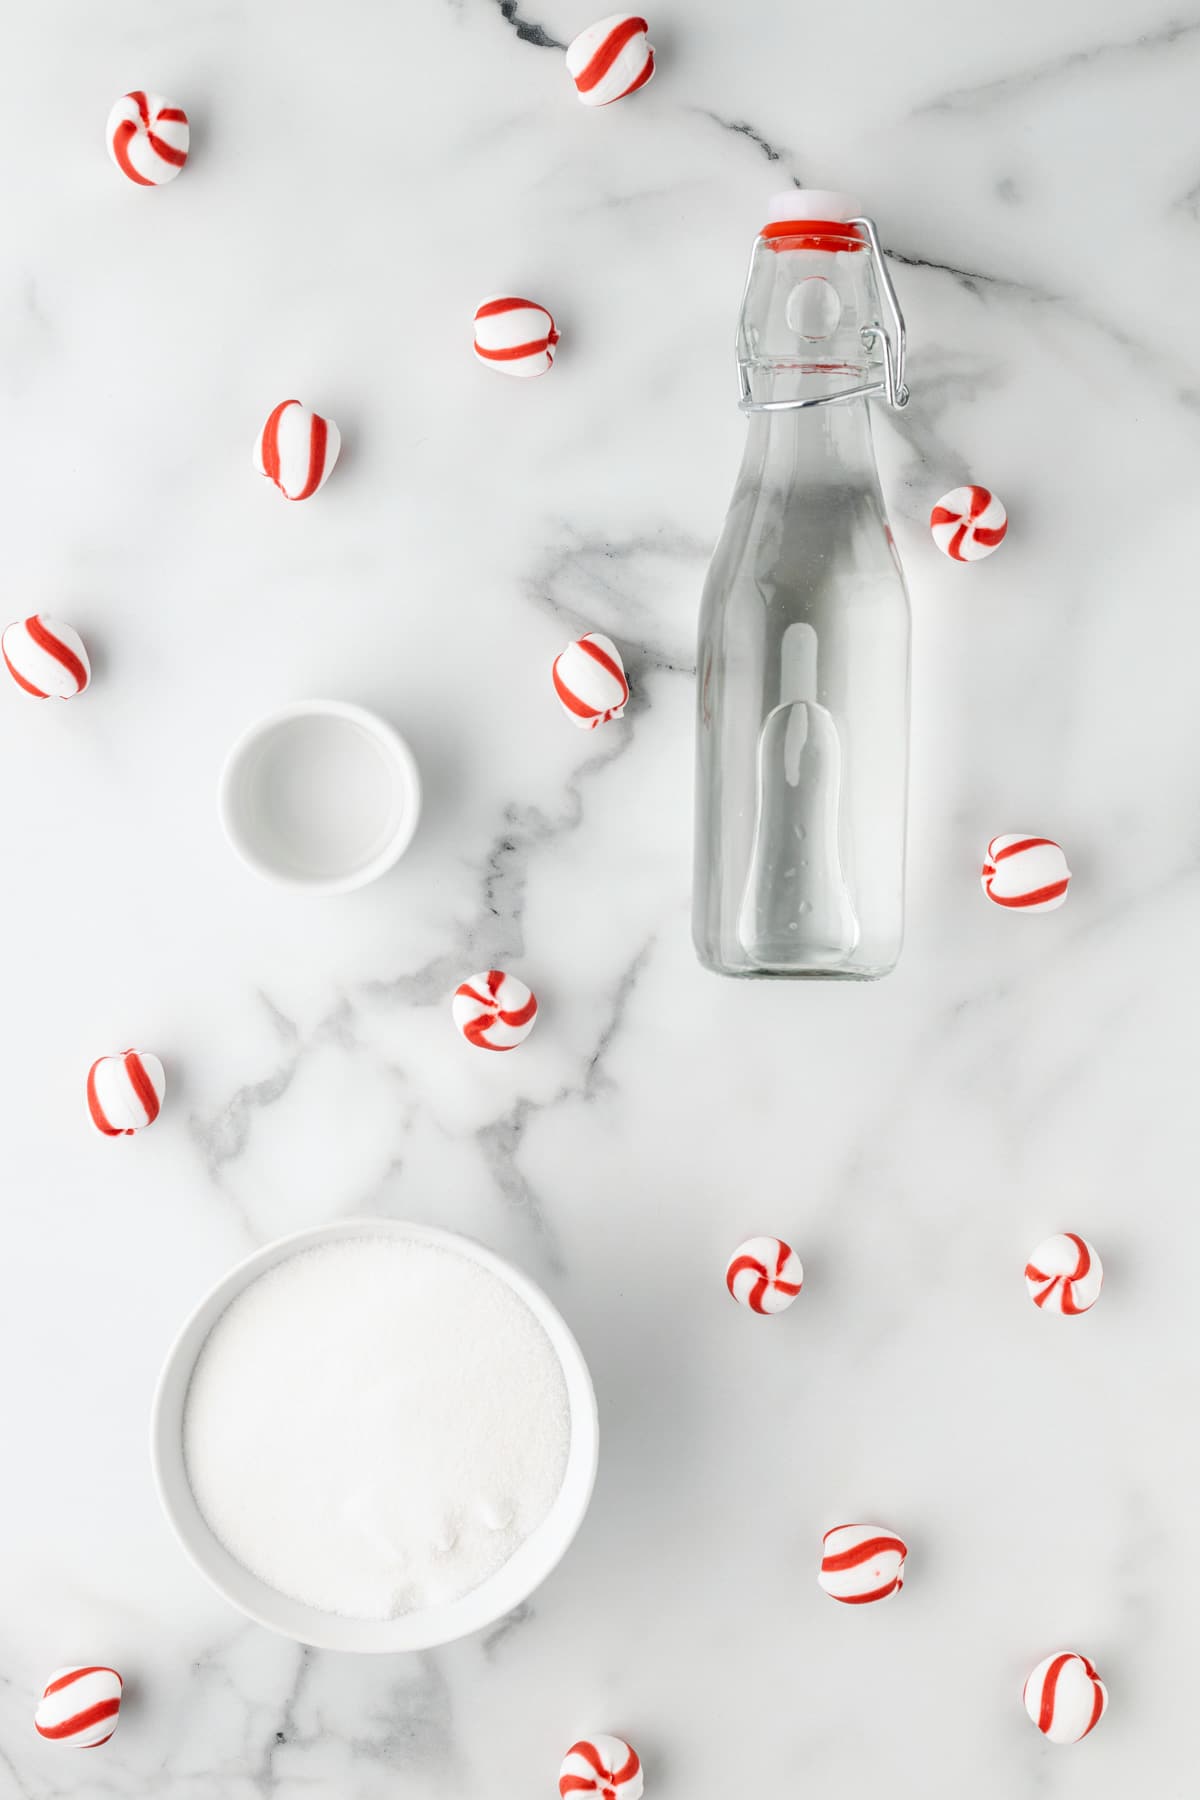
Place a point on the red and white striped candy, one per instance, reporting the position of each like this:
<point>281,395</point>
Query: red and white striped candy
<point>46,657</point>
<point>764,1274</point>
<point>1065,1697</point>
<point>515,337</point>
<point>968,523</point>
<point>589,679</point>
<point>80,1707</point>
<point>494,1011</point>
<point>297,449</point>
<point>862,1563</point>
<point>610,59</point>
<point>125,1092</point>
<point>147,138</point>
<point>605,1766</point>
<point>1064,1275</point>
<point>1028,874</point>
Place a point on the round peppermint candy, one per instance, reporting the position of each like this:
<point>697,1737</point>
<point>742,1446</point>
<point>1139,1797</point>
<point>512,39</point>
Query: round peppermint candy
<point>125,1092</point>
<point>147,138</point>
<point>862,1563</point>
<point>1064,1275</point>
<point>968,523</point>
<point>494,1011</point>
<point>513,336</point>
<point>1025,874</point>
<point>1065,1697</point>
<point>79,1706</point>
<point>764,1274</point>
<point>605,1766</point>
<point>610,59</point>
<point>297,449</point>
<point>46,658</point>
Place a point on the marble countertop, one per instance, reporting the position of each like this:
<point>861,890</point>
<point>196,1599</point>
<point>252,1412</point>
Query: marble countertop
<point>360,176</point>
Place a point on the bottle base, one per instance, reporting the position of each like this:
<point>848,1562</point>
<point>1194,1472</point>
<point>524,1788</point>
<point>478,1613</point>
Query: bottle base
<point>756,972</point>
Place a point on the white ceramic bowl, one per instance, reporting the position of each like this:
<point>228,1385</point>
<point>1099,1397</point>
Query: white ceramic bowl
<point>320,795</point>
<point>503,1591</point>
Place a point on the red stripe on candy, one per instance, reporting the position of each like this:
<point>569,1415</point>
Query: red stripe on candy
<point>126,130</point>
<point>143,105</point>
<point>505,303</point>
<point>73,1675</point>
<point>142,1085</point>
<point>571,701</point>
<point>1049,1689</point>
<point>1034,898</point>
<point>607,54</point>
<point>270,440</point>
<point>1029,843</point>
<point>875,1594</point>
<point>606,662</point>
<point>83,1721</point>
<point>168,152</point>
<point>317,438</point>
<point>175,113</point>
<point>521,1017</point>
<point>46,640</point>
<point>861,1553</point>
<point>21,681</point>
<point>514,352</point>
<point>99,1117</point>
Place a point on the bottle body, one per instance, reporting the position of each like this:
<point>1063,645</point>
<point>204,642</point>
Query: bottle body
<point>802,714</point>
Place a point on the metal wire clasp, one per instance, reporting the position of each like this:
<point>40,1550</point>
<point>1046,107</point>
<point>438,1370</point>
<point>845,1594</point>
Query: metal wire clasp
<point>891,345</point>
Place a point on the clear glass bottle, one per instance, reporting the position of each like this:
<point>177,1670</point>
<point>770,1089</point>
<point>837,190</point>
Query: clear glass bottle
<point>802,718</point>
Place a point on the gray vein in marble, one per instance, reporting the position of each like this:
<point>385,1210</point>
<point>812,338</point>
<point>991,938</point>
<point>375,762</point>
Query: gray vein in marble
<point>587,563</point>
<point>1004,87</point>
<point>500,1141</point>
<point>526,30</point>
<point>743,128</point>
<point>492,1640</point>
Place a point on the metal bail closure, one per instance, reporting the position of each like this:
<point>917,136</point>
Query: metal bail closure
<point>891,343</point>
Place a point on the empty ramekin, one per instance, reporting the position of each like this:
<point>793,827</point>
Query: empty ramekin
<point>320,795</point>
<point>423,1630</point>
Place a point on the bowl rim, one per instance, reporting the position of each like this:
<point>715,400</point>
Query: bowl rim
<point>483,1606</point>
<point>404,769</point>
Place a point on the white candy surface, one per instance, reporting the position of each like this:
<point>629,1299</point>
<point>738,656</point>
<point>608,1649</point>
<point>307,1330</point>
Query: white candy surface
<point>79,1706</point>
<point>297,449</point>
<point>514,336</point>
<point>1064,1274</point>
<point>861,1564</point>
<point>968,523</point>
<point>125,1092</point>
<point>46,658</point>
<point>764,1274</point>
<point>589,679</point>
<point>148,138</point>
<point>1026,874</point>
<point>610,59</point>
<point>494,1011</point>
<point>605,1766</point>
<point>1065,1697</point>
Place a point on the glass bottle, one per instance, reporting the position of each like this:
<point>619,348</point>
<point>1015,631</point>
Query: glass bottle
<point>802,692</point>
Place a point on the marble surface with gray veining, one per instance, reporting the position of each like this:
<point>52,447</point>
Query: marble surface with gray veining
<point>361,175</point>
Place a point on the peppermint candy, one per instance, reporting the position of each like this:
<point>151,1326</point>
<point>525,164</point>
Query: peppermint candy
<point>80,1707</point>
<point>147,138</point>
<point>515,337</point>
<point>46,657</point>
<point>764,1274</point>
<point>610,59</point>
<point>862,1563</point>
<point>968,523</point>
<point>1064,1275</point>
<point>125,1092</point>
<point>589,679</point>
<point>606,1766</point>
<point>1065,1697</point>
<point>297,449</point>
<point>494,1011</point>
<point>1028,874</point>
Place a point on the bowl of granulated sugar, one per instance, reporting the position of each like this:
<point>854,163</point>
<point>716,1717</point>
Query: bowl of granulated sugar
<point>375,1436</point>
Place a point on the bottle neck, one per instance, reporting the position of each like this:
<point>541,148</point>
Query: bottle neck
<point>811,445</point>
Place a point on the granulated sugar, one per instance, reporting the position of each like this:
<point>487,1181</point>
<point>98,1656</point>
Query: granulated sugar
<point>375,1426</point>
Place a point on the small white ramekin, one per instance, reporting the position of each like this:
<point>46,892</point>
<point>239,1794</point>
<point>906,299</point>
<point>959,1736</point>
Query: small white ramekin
<point>320,795</point>
<point>423,1630</point>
